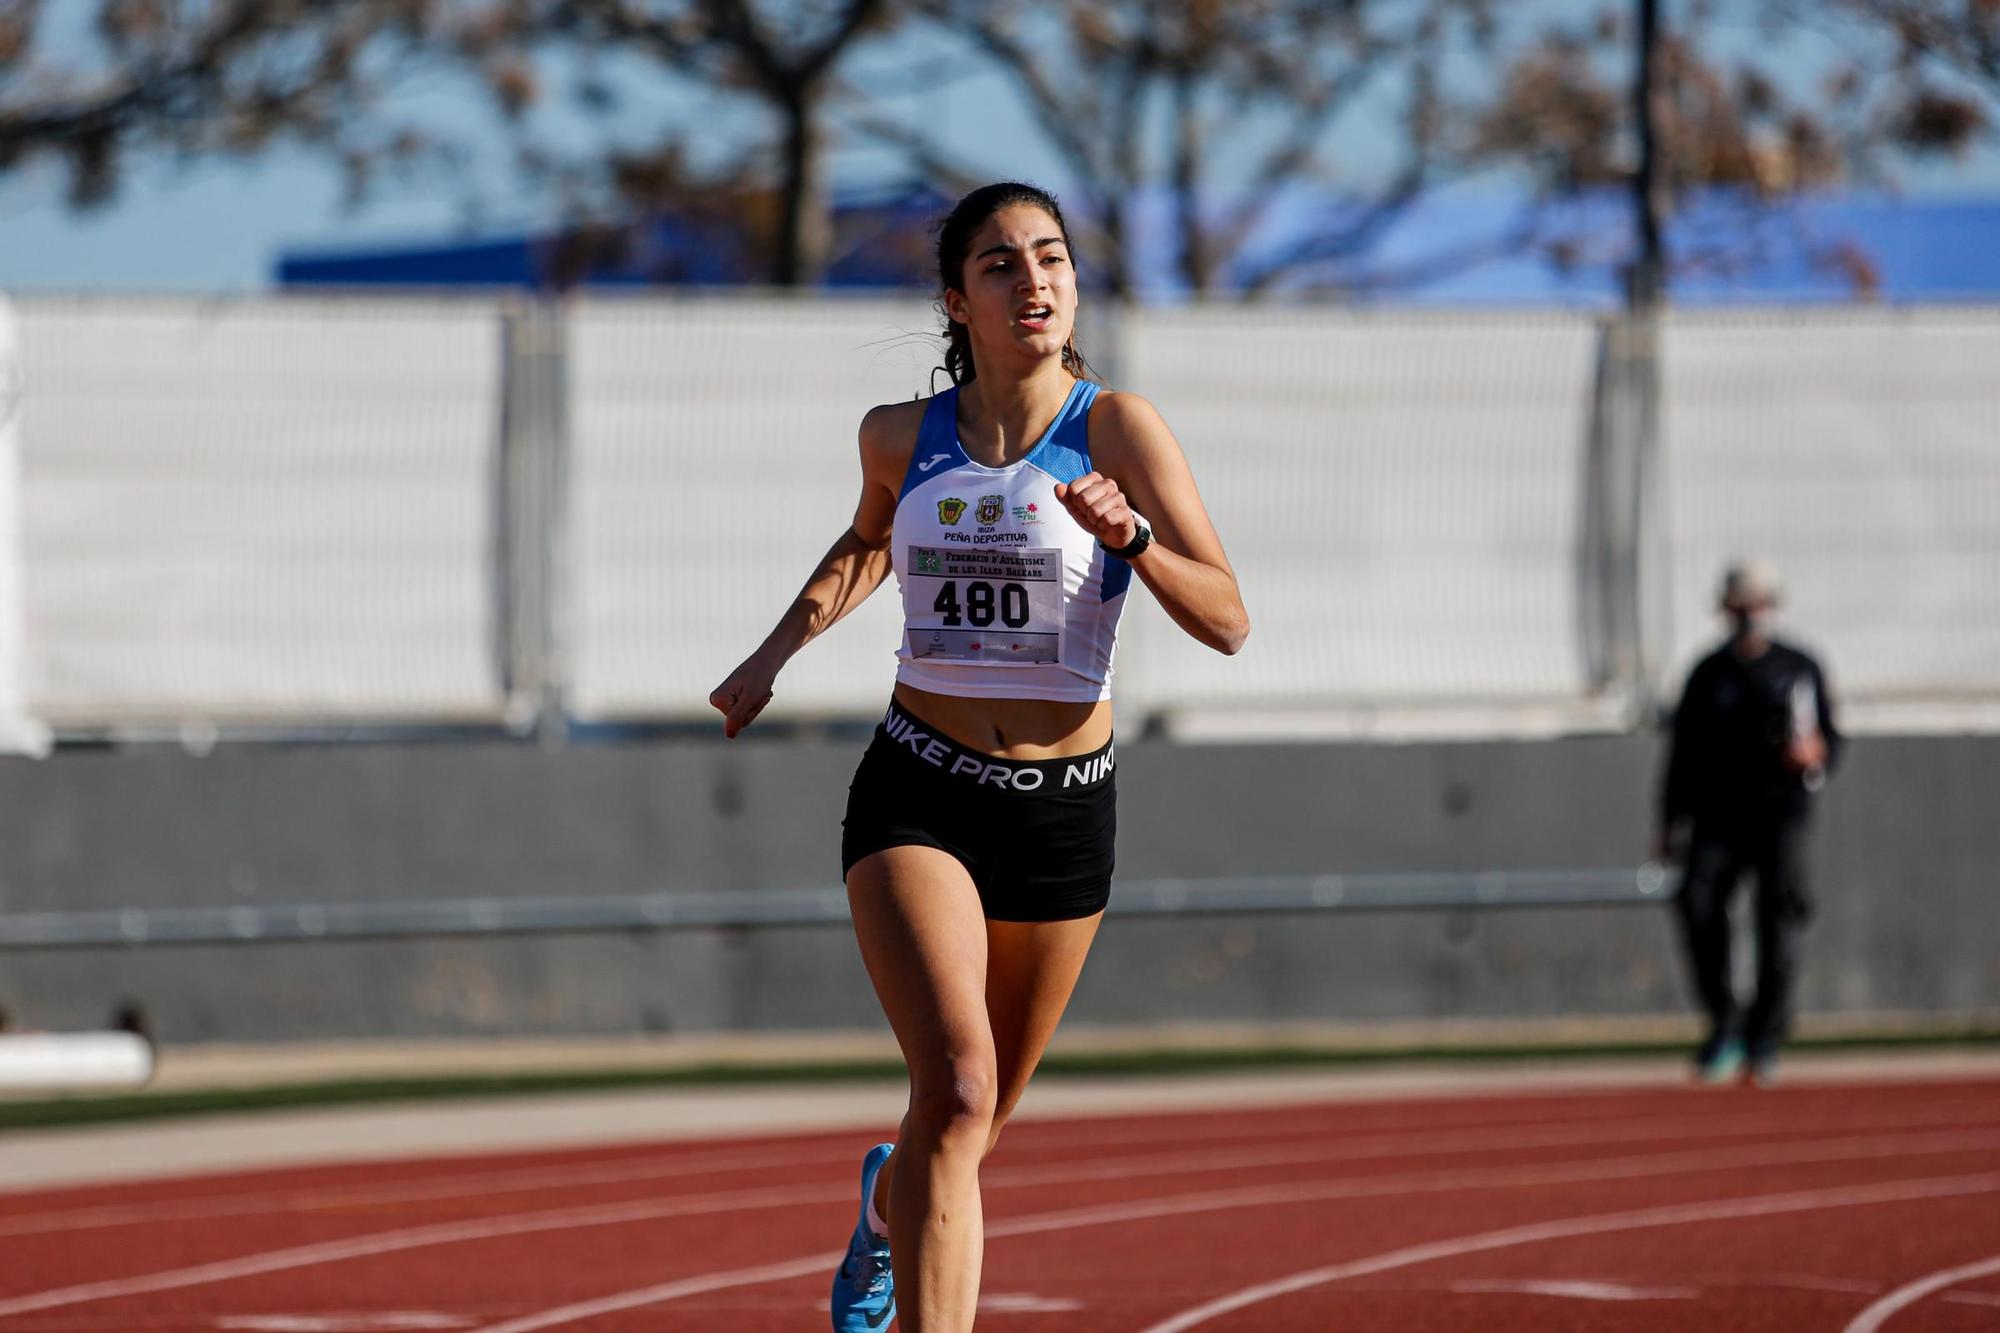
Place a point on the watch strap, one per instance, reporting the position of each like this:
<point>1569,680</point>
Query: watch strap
<point>1142,537</point>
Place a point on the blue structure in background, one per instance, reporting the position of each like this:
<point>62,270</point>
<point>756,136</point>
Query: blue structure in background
<point>1826,249</point>
<point>1445,251</point>
<point>882,243</point>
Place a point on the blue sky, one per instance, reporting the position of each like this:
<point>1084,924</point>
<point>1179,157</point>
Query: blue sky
<point>218,226</point>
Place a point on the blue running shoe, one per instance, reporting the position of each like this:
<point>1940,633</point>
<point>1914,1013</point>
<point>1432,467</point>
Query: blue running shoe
<point>1719,1059</point>
<point>864,1290</point>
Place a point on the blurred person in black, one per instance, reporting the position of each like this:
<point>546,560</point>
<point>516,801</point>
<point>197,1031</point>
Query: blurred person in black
<point>1753,740</point>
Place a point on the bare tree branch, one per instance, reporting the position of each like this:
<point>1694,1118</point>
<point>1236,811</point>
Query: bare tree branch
<point>1250,91</point>
<point>726,41</point>
<point>196,77</point>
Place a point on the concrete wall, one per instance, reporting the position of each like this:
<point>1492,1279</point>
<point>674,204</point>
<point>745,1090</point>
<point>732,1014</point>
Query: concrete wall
<point>1905,853</point>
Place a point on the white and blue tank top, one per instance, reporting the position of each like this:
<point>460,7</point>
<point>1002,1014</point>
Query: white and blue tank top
<point>1005,596</point>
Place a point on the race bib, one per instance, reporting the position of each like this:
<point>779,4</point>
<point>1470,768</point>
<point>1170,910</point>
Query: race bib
<point>994,607</point>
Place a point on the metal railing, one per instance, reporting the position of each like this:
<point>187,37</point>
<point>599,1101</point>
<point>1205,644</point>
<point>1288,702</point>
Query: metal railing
<point>611,913</point>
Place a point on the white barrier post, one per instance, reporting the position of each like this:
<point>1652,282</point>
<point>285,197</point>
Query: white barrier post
<point>64,1061</point>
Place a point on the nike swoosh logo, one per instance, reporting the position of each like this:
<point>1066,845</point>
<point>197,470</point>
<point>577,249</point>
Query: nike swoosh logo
<point>934,461</point>
<point>880,1317</point>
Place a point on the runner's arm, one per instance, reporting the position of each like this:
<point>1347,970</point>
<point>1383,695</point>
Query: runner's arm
<point>1141,468</point>
<point>852,568</point>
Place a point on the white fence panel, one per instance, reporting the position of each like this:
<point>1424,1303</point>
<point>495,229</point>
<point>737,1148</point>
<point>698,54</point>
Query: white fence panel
<point>17,731</point>
<point>282,512</point>
<point>260,511</point>
<point>1401,496</point>
<point>1859,451</point>
<point>713,460</point>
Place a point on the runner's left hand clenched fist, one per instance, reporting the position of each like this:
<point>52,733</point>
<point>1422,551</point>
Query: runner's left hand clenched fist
<point>1095,501</point>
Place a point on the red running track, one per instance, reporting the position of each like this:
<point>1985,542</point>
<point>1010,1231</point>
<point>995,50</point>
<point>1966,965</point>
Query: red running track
<point>1838,1207</point>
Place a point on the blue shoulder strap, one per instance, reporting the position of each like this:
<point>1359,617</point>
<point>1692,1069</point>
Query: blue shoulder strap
<point>1064,452</point>
<point>937,442</point>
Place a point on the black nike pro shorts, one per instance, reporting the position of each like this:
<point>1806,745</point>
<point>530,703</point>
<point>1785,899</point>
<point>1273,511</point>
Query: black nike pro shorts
<point>1035,835</point>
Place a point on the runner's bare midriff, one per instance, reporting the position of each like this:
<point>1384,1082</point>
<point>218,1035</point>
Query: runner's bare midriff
<point>1013,728</point>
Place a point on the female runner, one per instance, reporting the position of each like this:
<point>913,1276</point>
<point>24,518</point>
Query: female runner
<point>978,836</point>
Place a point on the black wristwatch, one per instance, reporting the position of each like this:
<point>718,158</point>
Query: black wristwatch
<point>1142,537</point>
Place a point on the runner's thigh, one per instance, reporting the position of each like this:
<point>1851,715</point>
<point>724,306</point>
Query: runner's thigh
<point>923,940</point>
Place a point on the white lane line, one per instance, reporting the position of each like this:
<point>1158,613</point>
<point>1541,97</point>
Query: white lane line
<point>1228,1124</point>
<point>671,1291</point>
<point>1025,1302</point>
<point>1910,1293</point>
<point>1573,1289</point>
<point>416,1238</point>
<point>482,1183</point>
<point>1348,1146</point>
<point>1264,1196</point>
<point>306,1256</point>
<point>433,1189</point>
<point>1713,1210</point>
<point>476,1185</point>
<point>1618,1168</point>
<point>1425,1145</point>
<point>384,1321</point>
<point>1708,1281</point>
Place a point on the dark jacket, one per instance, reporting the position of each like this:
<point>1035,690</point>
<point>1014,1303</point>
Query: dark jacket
<point>1726,763</point>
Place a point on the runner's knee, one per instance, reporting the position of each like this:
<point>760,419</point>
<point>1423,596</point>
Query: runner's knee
<point>958,1100</point>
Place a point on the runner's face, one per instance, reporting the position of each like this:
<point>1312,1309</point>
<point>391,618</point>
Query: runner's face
<point>1019,287</point>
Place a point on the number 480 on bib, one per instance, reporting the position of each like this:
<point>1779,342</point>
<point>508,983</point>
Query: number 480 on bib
<point>979,606</point>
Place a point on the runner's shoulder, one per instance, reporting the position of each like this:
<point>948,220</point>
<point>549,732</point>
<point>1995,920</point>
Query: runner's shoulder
<point>1126,428</point>
<point>889,435</point>
<point>893,425</point>
<point>1123,410</point>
